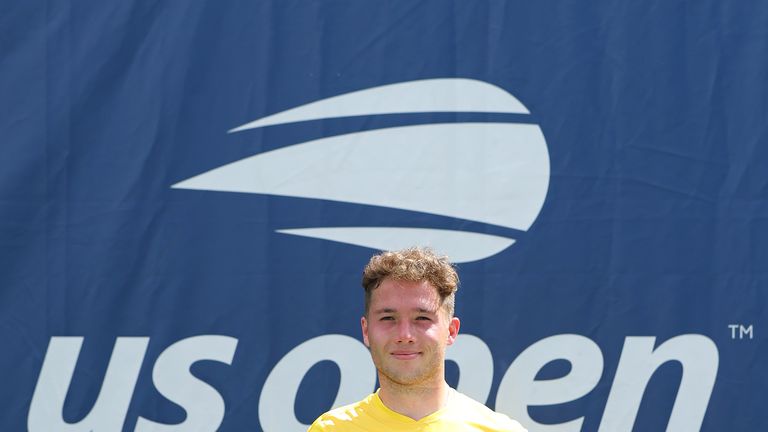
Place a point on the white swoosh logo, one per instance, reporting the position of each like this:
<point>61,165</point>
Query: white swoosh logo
<point>432,95</point>
<point>474,246</point>
<point>494,173</point>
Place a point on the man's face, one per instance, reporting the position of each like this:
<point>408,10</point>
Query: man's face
<point>407,332</point>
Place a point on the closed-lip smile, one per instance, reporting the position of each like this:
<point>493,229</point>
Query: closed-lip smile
<point>405,355</point>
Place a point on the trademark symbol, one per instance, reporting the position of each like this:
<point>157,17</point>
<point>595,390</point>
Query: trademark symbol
<point>739,331</point>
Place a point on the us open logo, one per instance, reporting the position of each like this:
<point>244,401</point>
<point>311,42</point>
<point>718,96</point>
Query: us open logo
<point>489,172</point>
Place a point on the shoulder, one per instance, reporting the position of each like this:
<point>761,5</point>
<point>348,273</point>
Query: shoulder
<point>337,418</point>
<point>481,415</point>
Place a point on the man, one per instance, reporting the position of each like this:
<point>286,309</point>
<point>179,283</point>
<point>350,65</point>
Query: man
<point>408,324</point>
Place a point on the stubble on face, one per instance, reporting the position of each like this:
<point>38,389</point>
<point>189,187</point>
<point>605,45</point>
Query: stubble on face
<point>407,332</point>
<point>422,375</point>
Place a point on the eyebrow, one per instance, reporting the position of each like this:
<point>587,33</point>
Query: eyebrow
<point>390,310</point>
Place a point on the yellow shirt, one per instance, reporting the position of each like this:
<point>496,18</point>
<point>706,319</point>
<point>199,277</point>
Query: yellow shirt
<point>461,414</point>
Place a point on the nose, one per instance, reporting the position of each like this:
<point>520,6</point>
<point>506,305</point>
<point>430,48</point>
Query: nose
<point>404,333</point>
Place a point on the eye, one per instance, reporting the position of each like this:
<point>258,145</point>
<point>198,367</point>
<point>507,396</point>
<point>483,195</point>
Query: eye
<point>423,318</point>
<point>386,318</point>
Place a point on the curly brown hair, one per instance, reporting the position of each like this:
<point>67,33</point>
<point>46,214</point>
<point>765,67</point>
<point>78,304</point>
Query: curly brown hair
<point>416,265</point>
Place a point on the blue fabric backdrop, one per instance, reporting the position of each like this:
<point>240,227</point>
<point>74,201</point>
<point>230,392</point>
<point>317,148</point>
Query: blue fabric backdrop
<point>627,242</point>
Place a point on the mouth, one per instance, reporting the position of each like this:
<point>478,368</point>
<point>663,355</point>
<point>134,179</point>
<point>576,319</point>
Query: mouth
<point>405,355</point>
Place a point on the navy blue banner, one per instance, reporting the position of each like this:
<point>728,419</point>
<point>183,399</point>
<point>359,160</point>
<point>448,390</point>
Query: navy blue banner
<point>189,192</point>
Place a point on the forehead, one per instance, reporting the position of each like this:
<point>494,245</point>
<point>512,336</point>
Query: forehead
<point>392,293</point>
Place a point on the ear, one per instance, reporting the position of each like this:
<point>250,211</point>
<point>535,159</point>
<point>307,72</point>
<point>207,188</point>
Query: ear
<point>453,330</point>
<point>364,327</point>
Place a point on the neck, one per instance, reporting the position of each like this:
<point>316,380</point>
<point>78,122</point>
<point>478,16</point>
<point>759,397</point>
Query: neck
<point>414,401</point>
